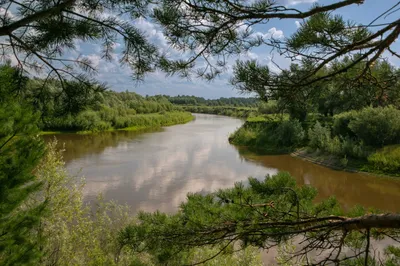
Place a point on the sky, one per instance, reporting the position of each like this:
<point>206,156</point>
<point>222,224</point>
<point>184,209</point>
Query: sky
<point>119,78</point>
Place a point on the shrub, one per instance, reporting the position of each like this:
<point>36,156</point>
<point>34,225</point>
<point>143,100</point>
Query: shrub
<point>344,161</point>
<point>244,136</point>
<point>274,136</point>
<point>334,146</point>
<point>386,159</point>
<point>91,121</point>
<point>341,122</point>
<point>289,133</point>
<point>319,136</point>
<point>270,107</point>
<point>377,126</point>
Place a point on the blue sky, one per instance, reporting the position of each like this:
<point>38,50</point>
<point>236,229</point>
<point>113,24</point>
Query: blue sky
<point>119,78</point>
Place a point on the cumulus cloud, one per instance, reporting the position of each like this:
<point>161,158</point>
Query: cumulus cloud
<point>153,32</point>
<point>296,2</point>
<point>297,24</point>
<point>272,33</point>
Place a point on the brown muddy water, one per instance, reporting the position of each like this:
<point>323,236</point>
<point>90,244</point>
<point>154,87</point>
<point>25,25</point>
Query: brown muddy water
<point>155,170</point>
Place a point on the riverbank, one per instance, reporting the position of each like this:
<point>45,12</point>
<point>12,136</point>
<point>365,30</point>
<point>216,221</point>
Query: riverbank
<point>138,123</point>
<point>336,163</point>
<point>271,137</point>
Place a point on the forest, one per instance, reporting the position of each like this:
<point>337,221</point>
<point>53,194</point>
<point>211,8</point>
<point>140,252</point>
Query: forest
<point>337,100</point>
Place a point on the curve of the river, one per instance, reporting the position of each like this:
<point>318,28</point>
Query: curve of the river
<point>155,170</point>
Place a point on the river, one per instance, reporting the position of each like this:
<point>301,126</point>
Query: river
<point>155,170</point>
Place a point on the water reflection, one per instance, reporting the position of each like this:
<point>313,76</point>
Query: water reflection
<point>349,188</point>
<point>156,170</point>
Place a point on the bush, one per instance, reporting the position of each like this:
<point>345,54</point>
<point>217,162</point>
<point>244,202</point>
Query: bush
<point>341,122</point>
<point>377,126</point>
<point>386,159</point>
<point>270,107</point>
<point>319,136</point>
<point>274,136</point>
<point>91,121</point>
<point>289,133</point>
<point>244,136</point>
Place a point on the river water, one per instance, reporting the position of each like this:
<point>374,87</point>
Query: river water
<point>155,170</point>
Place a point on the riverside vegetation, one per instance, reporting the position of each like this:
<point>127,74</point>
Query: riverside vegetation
<point>358,131</point>
<point>90,107</point>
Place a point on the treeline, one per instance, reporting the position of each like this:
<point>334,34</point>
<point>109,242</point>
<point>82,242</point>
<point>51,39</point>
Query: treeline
<point>241,112</point>
<point>298,96</point>
<point>103,110</point>
<point>86,106</point>
<point>260,109</point>
<point>232,101</point>
<point>356,126</point>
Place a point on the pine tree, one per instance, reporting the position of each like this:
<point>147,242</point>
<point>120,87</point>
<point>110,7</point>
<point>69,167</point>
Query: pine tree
<point>20,152</point>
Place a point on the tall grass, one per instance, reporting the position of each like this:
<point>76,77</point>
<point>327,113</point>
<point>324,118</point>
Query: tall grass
<point>386,159</point>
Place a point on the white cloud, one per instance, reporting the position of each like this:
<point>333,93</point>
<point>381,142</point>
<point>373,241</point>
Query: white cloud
<point>6,13</point>
<point>272,33</point>
<point>297,24</point>
<point>94,60</point>
<point>153,32</point>
<point>297,2</point>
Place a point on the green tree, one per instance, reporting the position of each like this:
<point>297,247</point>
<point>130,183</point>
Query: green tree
<point>20,152</point>
<point>225,28</point>
<point>38,34</point>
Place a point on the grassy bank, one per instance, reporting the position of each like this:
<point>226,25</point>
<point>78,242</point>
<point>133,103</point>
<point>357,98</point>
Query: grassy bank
<point>137,122</point>
<point>338,163</point>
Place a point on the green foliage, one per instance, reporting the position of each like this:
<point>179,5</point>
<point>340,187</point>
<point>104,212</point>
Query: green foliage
<point>72,233</point>
<point>258,214</point>
<point>200,101</point>
<point>20,152</point>
<point>78,106</point>
<point>377,126</point>
<point>90,120</point>
<point>340,126</point>
<point>386,160</point>
<point>270,107</point>
<point>59,25</point>
<point>250,76</point>
<point>273,136</point>
<point>242,112</point>
<point>320,139</point>
<point>319,136</point>
<point>289,133</point>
